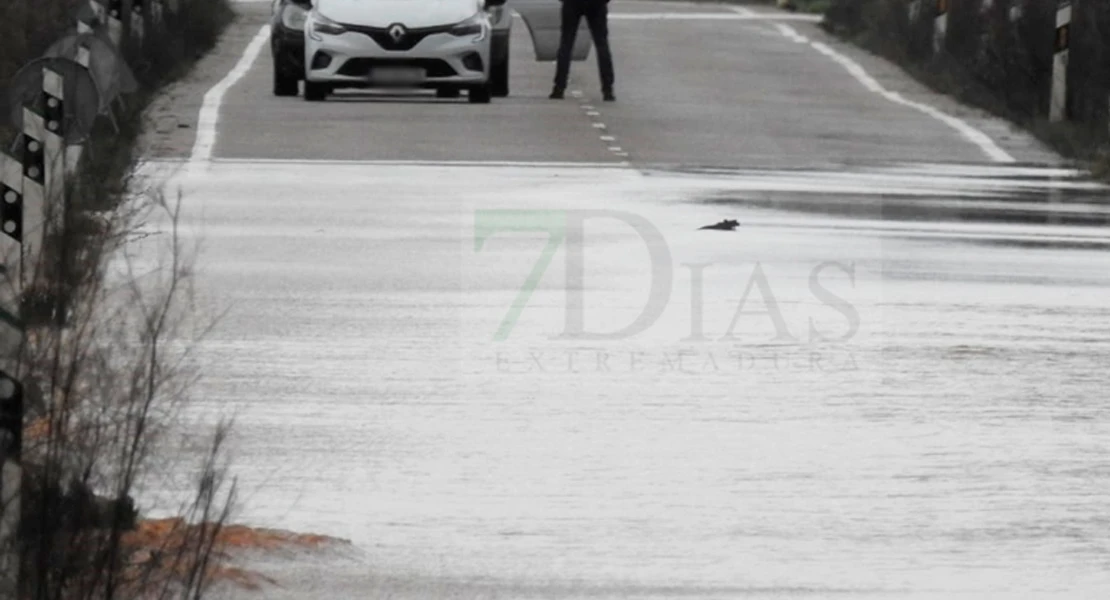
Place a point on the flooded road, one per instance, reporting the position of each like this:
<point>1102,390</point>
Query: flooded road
<point>492,347</point>
<point>835,406</point>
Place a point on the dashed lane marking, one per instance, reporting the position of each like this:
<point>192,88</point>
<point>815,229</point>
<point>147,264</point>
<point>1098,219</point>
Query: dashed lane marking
<point>597,123</point>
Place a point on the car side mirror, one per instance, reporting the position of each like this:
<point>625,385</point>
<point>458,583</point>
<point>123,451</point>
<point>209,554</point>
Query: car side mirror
<point>492,3</point>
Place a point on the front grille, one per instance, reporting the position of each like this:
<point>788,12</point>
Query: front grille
<point>360,67</point>
<point>412,37</point>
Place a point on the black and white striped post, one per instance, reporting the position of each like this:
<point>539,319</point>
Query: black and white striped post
<point>11,480</point>
<point>12,176</point>
<point>97,15</point>
<point>73,152</point>
<point>940,26</point>
<point>157,13</point>
<point>114,10</point>
<point>1058,106</point>
<point>29,183</point>
<point>138,24</point>
<point>44,158</point>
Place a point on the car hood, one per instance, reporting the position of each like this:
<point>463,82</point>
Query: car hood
<point>410,13</point>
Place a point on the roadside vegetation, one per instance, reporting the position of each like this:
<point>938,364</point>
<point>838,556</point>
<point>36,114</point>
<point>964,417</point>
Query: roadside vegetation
<point>107,365</point>
<point>803,6</point>
<point>999,59</point>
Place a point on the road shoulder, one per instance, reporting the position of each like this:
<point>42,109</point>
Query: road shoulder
<point>172,118</point>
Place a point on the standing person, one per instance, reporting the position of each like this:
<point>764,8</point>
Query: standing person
<point>597,18</point>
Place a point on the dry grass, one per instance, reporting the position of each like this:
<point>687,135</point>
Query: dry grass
<point>154,539</point>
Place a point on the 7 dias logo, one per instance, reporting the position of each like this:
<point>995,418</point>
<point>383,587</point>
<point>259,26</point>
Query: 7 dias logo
<point>567,228</point>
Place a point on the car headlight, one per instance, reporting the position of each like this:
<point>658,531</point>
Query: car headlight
<point>294,17</point>
<point>318,23</point>
<point>477,25</point>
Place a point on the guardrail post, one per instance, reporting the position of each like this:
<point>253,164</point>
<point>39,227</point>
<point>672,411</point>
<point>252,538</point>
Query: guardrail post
<point>27,184</point>
<point>940,26</point>
<point>32,201</point>
<point>53,119</point>
<point>1059,103</point>
<point>913,10</point>
<point>11,482</point>
<point>115,22</point>
<point>138,25</point>
<point>73,152</point>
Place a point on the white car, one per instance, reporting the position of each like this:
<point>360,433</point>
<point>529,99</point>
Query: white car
<point>439,44</point>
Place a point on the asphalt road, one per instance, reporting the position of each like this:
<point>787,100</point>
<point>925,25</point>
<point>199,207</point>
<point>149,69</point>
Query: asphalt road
<point>886,383</point>
<point>716,88</point>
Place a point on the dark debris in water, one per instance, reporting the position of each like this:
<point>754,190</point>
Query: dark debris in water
<point>725,225</point>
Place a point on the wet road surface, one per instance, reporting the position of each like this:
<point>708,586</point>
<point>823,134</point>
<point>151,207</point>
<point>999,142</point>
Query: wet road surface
<point>888,382</point>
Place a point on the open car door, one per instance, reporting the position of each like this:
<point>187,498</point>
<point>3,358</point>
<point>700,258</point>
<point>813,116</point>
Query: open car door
<point>543,19</point>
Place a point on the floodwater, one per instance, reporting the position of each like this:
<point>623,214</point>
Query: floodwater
<point>829,406</point>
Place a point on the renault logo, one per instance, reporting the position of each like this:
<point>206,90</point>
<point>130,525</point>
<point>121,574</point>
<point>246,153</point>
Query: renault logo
<point>397,31</point>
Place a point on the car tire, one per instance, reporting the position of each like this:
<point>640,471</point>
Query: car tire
<point>499,73</point>
<point>479,95</point>
<point>284,85</point>
<point>448,92</point>
<point>315,91</point>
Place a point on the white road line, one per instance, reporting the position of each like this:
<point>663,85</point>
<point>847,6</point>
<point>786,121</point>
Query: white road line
<point>599,125</point>
<point>971,134</point>
<point>791,33</point>
<point>210,109</point>
<point>593,113</point>
<point>607,138</point>
<point>742,11</point>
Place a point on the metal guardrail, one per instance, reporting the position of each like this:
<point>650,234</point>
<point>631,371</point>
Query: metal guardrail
<point>54,102</point>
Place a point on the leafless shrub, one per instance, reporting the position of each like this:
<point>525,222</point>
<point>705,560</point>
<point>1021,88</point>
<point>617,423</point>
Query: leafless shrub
<point>103,391</point>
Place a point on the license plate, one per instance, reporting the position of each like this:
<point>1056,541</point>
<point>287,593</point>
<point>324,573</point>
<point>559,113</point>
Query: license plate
<point>397,74</point>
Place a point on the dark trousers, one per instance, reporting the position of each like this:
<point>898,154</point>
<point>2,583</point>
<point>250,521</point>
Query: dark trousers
<point>596,13</point>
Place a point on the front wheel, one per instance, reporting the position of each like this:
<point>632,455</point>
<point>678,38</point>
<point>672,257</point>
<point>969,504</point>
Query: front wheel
<point>479,95</point>
<point>315,91</point>
<point>499,72</point>
<point>284,85</point>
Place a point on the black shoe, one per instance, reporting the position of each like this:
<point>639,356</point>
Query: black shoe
<point>608,96</point>
<point>556,94</point>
